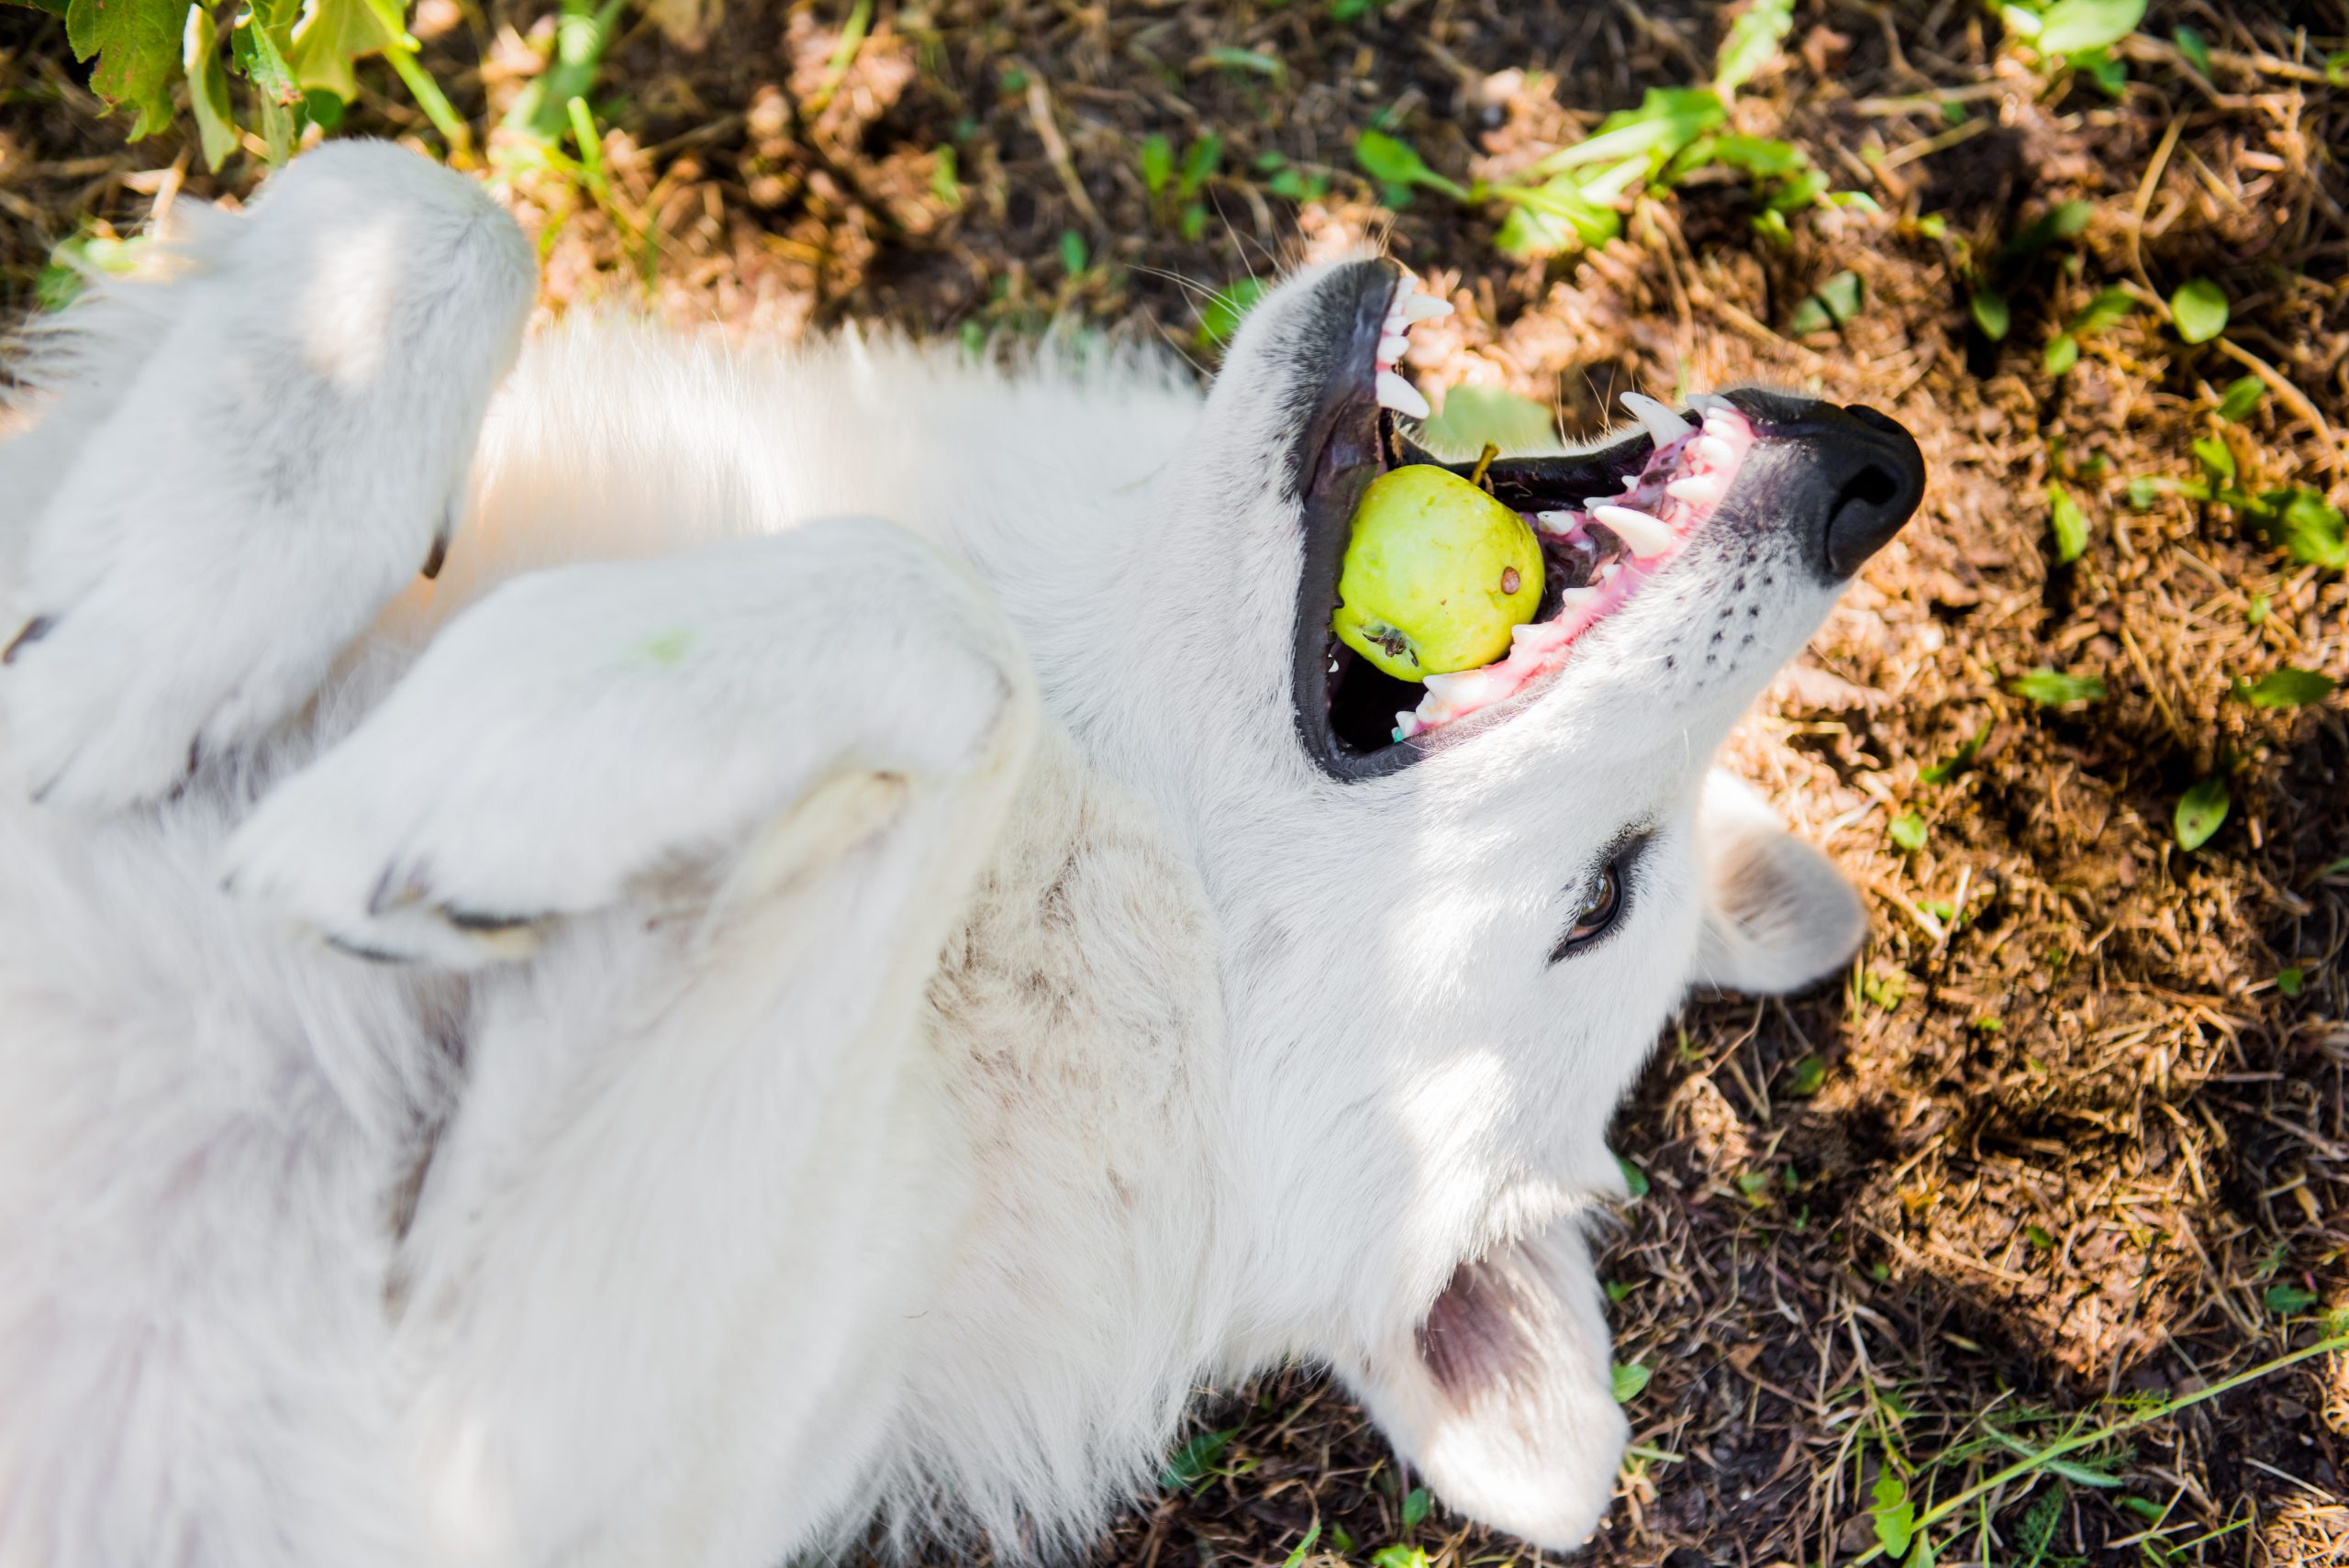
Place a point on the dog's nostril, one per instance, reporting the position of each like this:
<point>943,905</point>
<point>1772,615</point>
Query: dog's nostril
<point>1867,512</point>
<point>1873,487</point>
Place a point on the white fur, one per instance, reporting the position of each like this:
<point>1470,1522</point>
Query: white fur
<point>887,1007</point>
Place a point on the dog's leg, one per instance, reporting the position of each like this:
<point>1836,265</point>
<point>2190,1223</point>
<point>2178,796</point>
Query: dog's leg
<point>1502,1397</point>
<point>234,462</point>
<point>734,800</point>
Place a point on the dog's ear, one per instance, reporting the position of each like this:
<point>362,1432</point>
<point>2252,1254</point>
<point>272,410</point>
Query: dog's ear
<point>1777,913</point>
<point>1502,1397</point>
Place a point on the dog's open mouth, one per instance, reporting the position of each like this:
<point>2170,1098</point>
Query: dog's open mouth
<point>1608,522</point>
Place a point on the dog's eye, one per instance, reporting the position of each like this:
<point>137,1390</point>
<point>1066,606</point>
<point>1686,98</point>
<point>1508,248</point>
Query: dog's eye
<point>1596,914</point>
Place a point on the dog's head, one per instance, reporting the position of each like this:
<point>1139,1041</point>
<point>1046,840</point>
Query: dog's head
<point>1456,916</point>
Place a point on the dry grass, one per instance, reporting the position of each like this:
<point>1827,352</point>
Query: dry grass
<point>2062,1137</point>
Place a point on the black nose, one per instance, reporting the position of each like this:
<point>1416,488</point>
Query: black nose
<point>1849,477</point>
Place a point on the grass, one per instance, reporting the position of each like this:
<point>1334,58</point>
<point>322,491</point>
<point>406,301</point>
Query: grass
<point>2038,1214</point>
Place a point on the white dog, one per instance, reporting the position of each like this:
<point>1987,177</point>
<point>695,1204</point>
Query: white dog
<point>819,1020</point>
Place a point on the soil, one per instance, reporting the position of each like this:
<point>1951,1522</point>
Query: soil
<point>2074,1135</point>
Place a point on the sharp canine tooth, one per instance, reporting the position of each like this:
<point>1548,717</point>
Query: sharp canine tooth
<point>1391,347</point>
<point>1400,395</point>
<point>1664,425</point>
<point>1422,308</point>
<point>1643,535</point>
<point>1559,522</point>
<point>1697,489</point>
<point>1706,402</point>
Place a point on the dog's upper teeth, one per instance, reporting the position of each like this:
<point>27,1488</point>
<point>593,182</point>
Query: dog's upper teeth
<point>1575,598</point>
<point>1709,451</point>
<point>1706,402</point>
<point>1697,489</point>
<point>1400,395</point>
<point>1418,307</point>
<point>1643,535</point>
<point>1723,423</point>
<point>1391,347</point>
<point>1562,523</point>
<point>1664,427</point>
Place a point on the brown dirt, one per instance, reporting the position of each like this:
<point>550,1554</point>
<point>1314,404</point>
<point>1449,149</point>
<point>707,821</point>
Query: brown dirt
<point>2068,1135</point>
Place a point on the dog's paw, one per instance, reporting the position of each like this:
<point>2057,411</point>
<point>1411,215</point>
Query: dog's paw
<point>238,461</point>
<point>588,727</point>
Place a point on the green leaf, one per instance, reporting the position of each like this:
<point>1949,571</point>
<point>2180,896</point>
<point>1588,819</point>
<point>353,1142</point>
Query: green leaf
<point>2068,523</point>
<point>1892,1514</point>
<point>1635,1181</point>
<point>2216,456</point>
<point>1842,295</point>
<point>339,33</point>
<point>1157,162</point>
<point>1246,60</point>
<point>1220,316</point>
<point>1195,1461</point>
<point>1751,43</point>
<point>2286,687</point>
<point>2243,395</point>
<point>1991,313</point>
<point>2256,612</point>
<point>2288,982</point>
<point>1667,120</point>
<point>2289,1299</point>
<point>1943,772</point>
<point>1304,1549</point>
<point>2190,44</point>
<point>1391,161</point>
<point>2108,308</point>
<point>136,45</point>
<point>1415,1507</point>
<point>2053,688</point>
<point>207,89</point>
<point>1808,1076</point>
<point>2063,353</point>
<point>2072,26</point>
<point>2111,76</point>
<point>2199,310</point>
<point>1630,1381</point>
<point>1553,217</point>
<point>1200,160</point>
<point>2038,1236</point>
<point>1471,416</point>
<point>2200,810</point>
<point>1072,253</point>
<point>2303,523</point>
<point>1908,832</point>
<point>2063,221</point>
<point>1921,1555</point>
<point>1399,1556</point>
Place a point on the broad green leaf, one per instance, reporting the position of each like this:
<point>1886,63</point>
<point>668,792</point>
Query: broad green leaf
<point>1667,120</point>
<point>1908,832</point>
<point>1892,1514</point>
<point>1399,1556</point>
<point>2197,53</point>
<point>2067,522</point>
<point>1808,1076</point>
<point>1200,160</point>
<point>207,89</point>
<point>2053,688</point>
<point>1415,1507</point>
<point>1220,316</point>
<point>2199,308</point>
<point>1195,1461</point>
<point>1630,1381</point>
<point>1991,313</point>
<point>2243,395</point>
<point>337,34</point>
<point>2071,27</point>
<point>2288,982</point>
<point>1471,416</point>
<point>1752,40</point>
<point>1921,1555</point>
<point>2286,687</point>
<point>1072,252</point>
<point>1304,1549</point>
<point>2063,353</point>
<point>2039,1237</point>
<point>1842,295</point>
<point>260,43</point>
<point>1157,162</point>
<point>137,46</point>
<point>1765,158</point>
<point>2200,810</point>
<point>1553,217</point>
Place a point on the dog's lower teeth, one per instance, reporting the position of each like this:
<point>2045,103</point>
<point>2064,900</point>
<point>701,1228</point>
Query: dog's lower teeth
<point>1697,489</point>
<point>1394,391</point>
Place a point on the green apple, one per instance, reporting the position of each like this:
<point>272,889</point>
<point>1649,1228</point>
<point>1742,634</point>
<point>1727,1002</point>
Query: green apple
<point>1436,574</point>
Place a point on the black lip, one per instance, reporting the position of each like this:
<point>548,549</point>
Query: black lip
<point>1856,470</point>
